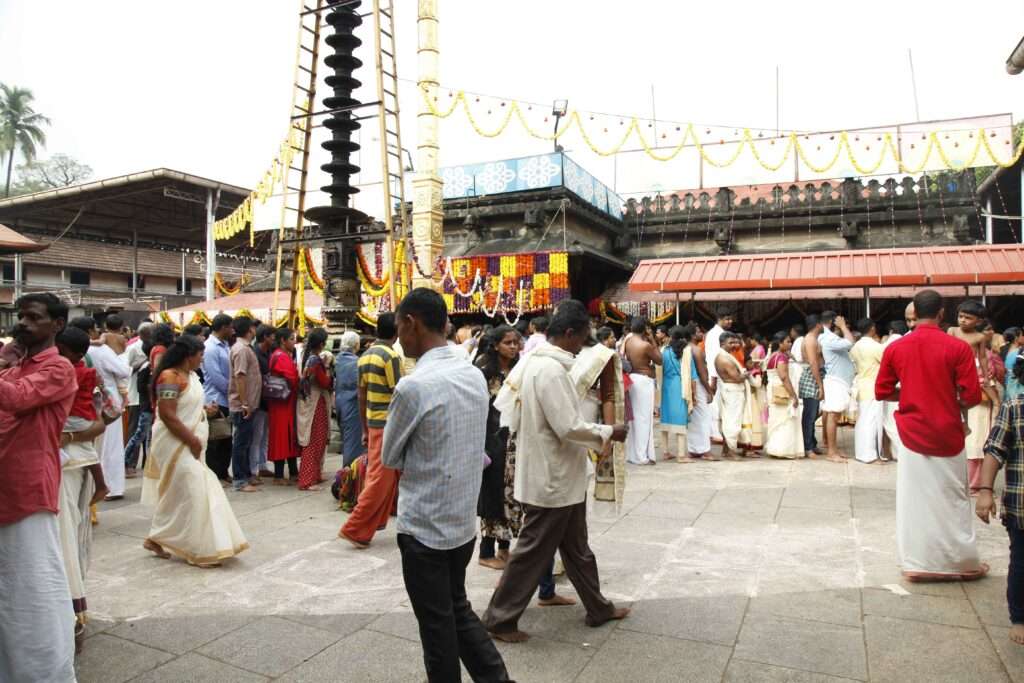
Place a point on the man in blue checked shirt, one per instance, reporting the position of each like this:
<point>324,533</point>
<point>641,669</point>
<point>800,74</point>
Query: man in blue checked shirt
<point>216,379</point>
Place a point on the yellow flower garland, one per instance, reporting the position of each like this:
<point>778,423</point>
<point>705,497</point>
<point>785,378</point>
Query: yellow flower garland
<point>888,147</point>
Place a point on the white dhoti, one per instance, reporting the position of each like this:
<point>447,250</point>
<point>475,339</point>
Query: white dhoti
<point>979,419</point>
<point>867,435</point>
<point>76,489</point>
<point>698,429</point>
<point>889,409</point>
<point>732,400</point>
<point>713,413</point>
<point>640,441</point>
<point>837,395</point>
<point>37,624</point>
<point>934,519</point>
<point>111,448</point>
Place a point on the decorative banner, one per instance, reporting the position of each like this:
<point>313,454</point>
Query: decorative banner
<point>910,149</point>
<point>500,283</point>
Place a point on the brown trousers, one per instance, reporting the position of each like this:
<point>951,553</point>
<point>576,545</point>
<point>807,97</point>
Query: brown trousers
<point>544,531</point>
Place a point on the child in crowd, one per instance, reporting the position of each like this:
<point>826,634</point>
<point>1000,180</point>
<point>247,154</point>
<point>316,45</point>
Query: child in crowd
<point>970,318</point>
<point>1005,449</point>
<point>73,344</point>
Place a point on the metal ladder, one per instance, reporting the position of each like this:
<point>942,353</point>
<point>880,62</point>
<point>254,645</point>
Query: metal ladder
<point>392,166</point>
<point>303,107</point>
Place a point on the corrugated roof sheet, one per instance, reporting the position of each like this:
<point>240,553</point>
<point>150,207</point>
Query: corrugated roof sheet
<point>12,242</point>
<point>912,267</point>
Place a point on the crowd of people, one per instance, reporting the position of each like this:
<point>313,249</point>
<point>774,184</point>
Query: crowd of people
<point>502,432</point>
<point>757,395</point>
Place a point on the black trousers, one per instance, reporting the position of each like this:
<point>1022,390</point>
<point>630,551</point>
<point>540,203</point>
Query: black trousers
<point>449,628</point>
<point>218,454</point>
<point>1015,577</point>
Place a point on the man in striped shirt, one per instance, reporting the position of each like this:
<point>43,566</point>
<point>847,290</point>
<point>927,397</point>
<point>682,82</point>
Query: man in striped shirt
<point>379,370</point>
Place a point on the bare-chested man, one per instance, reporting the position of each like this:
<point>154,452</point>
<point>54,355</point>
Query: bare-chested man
<point>642,354</point>
<point>812,387</point>
<point>910,316</point>
<point>698,430</point>
<point>970,318</point>
<point>712,343</point>
<point>733,393</point>
<point>114,335</point>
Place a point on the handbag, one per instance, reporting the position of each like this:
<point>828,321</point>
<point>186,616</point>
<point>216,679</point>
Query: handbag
<point>780,397</point>
<point>220,428</point>
<point>276,388</point>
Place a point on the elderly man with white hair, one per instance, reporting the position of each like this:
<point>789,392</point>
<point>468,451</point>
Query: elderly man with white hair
<point>346,399</point>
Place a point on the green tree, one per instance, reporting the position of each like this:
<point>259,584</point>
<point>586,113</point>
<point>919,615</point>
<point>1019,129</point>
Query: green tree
<point>21,127</point>
<point>60,170</point>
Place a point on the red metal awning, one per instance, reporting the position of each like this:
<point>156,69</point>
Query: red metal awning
<point>918,267</point>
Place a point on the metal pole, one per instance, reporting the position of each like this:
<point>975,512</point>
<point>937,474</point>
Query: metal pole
<point>913,84</point>
<point>211,246</point>
<point>778,106</point>
<point>654,116</point>
<point>184,289</point>
<point>677,308</point>
<point>135,264</point>
<point>988,220</point>
<point>867,302</point>
<point>19,275</point>
<point>984,297</point>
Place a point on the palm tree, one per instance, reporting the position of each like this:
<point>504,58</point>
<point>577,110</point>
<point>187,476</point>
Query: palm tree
<point>20,127</point>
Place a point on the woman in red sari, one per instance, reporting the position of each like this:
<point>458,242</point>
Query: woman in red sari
<point>312,415</point>
<point>283,440</point>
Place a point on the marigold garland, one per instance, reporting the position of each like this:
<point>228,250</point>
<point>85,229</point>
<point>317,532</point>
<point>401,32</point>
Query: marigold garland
<point>276,175</point>
<point>888,148</point>
<point>230,289</point>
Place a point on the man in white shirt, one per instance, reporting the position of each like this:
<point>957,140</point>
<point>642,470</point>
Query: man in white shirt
<point>135,357</point>
<point>540,404</point>
<point>712,346</point>
<point>538,334</point>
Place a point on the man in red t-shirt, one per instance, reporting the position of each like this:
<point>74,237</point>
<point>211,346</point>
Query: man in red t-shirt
<point>37,623</point>
<point>936,377</point>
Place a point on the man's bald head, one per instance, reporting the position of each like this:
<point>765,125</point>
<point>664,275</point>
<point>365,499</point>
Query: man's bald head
<point>910,316</point>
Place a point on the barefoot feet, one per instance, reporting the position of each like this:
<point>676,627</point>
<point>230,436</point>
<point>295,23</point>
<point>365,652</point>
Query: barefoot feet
<point>556,601</point>
<point>1017,633</point>
<point>156,549</point>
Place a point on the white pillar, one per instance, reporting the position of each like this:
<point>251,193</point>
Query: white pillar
<point>19,275</point>
<point>988,221</point>
<point>211,243</point>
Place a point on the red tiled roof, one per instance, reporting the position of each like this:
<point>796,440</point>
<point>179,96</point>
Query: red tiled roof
<point>970,265</point>
<point>254,301</point>
<point>12,242</point>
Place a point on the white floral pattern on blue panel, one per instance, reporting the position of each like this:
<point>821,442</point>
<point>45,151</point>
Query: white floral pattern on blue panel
<point>579,181</point>
<point>496,177</point>
<point>456,181</point>
<point>539,171</point>
<point>600,196</point>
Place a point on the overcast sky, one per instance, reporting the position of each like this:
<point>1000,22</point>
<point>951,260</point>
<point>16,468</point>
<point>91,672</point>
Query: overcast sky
<point>203,86</point>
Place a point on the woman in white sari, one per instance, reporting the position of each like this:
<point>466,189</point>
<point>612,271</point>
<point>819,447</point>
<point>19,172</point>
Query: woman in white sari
<point>192,518</point>
<point>784,432</point>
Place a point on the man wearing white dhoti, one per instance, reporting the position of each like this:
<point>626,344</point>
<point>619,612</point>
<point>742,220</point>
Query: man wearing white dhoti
<point>643,355</point>
<point>733,397</point>
<point>115,374</point>
<point>698,429</point>
<point>936,376</point>
<point>37,388</point>
<point>712,344</point>
<point>866,355</point>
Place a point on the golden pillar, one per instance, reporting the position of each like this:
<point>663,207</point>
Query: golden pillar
<point>427,212</point>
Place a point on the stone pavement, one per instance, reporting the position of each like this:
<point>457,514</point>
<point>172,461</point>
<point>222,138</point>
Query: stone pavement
<point>736,571</point>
